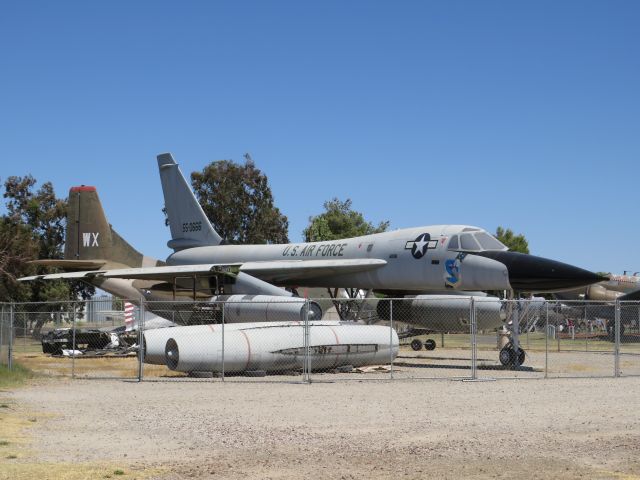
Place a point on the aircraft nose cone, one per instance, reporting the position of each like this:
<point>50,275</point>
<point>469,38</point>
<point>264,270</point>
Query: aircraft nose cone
<point>536,274</point>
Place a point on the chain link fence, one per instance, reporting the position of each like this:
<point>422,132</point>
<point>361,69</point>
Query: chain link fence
<point>257,339</point>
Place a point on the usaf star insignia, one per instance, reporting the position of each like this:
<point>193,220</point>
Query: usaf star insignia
<point>420,245</point>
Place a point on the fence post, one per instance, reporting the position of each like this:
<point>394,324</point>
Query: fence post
<point>222,307</point>
<point>472,323</point>
<point>307,359</point>
<point>546,341</point>
<point>587,328</point>
<point>73,341</point>
<point>616,348</point>
<point>141,345</point>
<point>2,327</point>
<point>10,344</point>
<point>391,339</point>
<point>3,322</point>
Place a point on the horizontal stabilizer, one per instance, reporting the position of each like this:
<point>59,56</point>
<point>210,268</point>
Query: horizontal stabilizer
<point>70,265</point>
<point>63,276</point>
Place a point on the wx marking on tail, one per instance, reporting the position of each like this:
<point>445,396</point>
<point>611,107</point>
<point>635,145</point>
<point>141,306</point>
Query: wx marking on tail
<point>90,239</point>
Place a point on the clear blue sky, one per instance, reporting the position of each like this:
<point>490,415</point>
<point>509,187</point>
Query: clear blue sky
<point>521,114</point>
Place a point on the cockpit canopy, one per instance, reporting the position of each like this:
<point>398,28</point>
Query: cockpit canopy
<point>474,240</point>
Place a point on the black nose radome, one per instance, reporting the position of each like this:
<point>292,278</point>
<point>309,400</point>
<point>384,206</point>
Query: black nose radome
<point>529,273</point>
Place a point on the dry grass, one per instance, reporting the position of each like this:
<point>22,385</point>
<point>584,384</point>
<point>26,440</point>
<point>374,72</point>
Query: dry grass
<point>16,425</point>
<point>117,367</point>
<point>16,470</point>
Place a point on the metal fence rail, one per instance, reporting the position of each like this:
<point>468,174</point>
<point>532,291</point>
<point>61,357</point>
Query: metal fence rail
<point>302,340</point>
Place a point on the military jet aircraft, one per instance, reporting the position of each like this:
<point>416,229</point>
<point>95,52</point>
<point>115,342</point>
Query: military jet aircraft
<point>616,287</point>
<point>260,280</point>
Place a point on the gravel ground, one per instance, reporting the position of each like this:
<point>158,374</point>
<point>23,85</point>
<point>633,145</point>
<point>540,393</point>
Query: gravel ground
<point>560,428</point>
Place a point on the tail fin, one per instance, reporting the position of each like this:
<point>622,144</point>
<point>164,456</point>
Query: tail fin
<point>189,225</point>
<point>89,237</point>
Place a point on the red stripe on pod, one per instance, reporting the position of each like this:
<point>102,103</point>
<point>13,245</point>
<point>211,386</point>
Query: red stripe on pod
<point>337,343</point>
<point>248,349</point>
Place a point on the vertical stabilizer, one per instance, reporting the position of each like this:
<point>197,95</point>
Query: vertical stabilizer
<point>90,237</point>
<point>189,225</point>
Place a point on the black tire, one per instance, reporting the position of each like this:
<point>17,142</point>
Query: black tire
<point>506,356</point>
<point>416,344</point>
<point>430,344</point>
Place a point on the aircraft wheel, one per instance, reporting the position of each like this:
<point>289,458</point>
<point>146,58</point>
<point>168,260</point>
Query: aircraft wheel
<point>416,344</point>
<point>430,344</point>
<point>506,356</point>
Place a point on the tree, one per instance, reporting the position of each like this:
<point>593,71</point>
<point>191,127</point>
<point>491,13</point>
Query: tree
<point>237,200</point>
<point>17,246</point>
<point>516,243</point>
<point>34,228</point>
<point>41,211</point>
<point>338,221</point>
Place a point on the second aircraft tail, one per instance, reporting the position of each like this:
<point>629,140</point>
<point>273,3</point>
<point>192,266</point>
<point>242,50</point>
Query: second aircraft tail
<point>189,225</point>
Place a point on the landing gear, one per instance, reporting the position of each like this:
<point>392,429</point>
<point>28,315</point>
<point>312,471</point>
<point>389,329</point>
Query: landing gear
<point>430,344</point>
<point>509,358</point>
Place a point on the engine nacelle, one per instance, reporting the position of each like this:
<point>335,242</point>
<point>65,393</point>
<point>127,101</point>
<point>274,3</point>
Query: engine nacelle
<point>602,294</point>
<point>271,346</point>
<point>268,308</point>
<point>443,313</point>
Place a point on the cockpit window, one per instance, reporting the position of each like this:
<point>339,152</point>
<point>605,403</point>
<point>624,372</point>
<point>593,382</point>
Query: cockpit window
<point>453,243</point>
<point>467,242</point>
<point>487,242</point>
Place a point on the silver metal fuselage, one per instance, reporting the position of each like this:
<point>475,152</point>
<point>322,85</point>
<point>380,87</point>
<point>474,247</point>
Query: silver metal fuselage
<point>411,263</point>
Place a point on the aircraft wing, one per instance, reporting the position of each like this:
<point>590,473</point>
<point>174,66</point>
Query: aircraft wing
<point>271,271</point>
<point>279,271</point>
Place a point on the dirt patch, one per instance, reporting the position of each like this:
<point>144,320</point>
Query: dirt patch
<point>442,429</point>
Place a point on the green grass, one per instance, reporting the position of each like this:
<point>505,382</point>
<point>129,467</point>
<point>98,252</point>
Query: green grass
<point>17,376</point>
